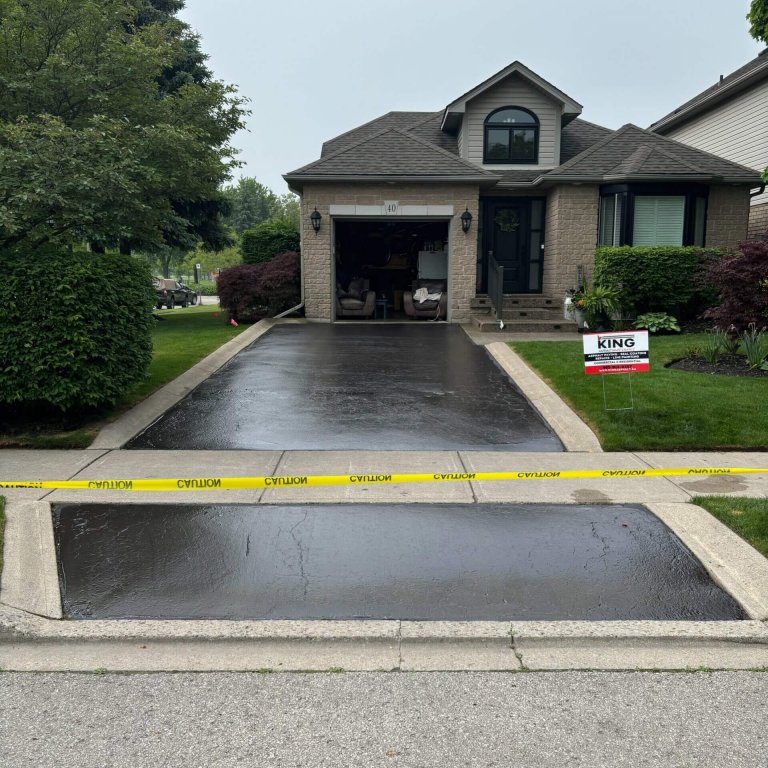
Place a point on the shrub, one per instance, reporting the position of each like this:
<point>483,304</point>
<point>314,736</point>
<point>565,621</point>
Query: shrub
<point>654,278</point>
<point>253,291</point>
<point>657,322</point>
<point>742,281</point>
<point>204,288</point>
<point>267,239</point>
<point>75,328</point>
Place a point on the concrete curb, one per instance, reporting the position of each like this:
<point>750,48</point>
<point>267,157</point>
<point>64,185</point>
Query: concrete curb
<point>30,643</point>
<point>573,433</point>
<point>136,420</point>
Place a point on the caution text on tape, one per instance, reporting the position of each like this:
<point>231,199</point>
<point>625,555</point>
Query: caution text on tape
<point>289,481</point>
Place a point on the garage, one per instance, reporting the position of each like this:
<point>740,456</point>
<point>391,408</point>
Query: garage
<point>391,269</point>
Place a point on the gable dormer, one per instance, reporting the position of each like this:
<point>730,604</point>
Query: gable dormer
<point>512,120</point>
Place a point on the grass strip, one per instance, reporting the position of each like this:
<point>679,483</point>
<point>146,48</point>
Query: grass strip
<point>746,517</point>
<point>673,410</point>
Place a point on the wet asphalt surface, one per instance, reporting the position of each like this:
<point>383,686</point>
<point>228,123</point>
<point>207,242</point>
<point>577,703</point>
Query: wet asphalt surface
<point>429,562</point>
<point>421,386</point>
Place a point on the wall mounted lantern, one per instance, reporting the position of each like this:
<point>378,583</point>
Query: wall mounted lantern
<point>466,221</point>
<point>315,217</point>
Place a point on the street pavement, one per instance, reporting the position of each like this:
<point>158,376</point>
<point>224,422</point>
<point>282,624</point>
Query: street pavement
<point>345,719</point>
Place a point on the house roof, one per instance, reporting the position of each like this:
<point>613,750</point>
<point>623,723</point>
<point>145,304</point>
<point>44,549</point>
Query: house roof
<point>634,154</point>
<point>727,87</point>
<point>452,113</point>
<point>391,154</point>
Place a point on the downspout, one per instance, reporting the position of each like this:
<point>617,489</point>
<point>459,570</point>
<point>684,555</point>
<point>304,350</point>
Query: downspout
<point>300,305</point>
<point>759,191</point>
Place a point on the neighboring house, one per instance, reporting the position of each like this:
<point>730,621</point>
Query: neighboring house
<point>542,187</point>
<point>730,119</point>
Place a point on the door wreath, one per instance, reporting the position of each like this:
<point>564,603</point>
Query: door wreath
<point>507,220</point>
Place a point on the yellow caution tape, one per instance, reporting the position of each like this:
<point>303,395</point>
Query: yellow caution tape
<point>235,483</point>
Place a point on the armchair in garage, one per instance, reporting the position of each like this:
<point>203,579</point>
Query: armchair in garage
<point>433,308</point>
<point>356,301</point>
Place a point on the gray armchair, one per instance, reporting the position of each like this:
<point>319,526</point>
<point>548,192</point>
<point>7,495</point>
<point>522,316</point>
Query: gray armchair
<point>432,308</point>
<point>357,301</point>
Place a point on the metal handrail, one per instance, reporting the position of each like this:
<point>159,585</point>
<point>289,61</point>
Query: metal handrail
<point>496,286</point>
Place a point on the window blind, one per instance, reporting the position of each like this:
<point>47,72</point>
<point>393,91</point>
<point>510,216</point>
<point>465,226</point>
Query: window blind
<point>658,220</point>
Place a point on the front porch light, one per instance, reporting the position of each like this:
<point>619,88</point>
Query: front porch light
<point>466,221</point>
<point>315,217</point>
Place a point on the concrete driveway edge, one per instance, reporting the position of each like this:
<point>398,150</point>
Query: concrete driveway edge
<point>30,578</point>
<point>732,563</point>
<point>572,432</point>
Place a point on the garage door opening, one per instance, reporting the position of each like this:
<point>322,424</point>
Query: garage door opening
<point>380,265</point>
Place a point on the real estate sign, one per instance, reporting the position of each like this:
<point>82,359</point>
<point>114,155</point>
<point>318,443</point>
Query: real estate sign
<point>616,352</point>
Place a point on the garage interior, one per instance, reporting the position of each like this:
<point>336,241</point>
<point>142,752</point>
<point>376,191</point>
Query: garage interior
<point>389,256</point>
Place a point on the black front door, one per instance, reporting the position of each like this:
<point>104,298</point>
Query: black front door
<point>507,226</point>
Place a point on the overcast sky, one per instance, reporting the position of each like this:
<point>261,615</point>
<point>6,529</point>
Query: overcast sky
<point>313,70</point>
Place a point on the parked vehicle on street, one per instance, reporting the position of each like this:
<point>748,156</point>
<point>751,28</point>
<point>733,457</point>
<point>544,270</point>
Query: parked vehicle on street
<point>171,292</point>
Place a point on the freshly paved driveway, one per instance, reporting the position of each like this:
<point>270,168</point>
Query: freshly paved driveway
<point>355,386</point>
<point>436,562</point>
<point>446,720</point>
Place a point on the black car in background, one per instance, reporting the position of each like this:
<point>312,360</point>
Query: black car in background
<point>171,292</point>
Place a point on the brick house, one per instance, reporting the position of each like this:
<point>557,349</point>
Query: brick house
<point>512,190</point>
<point>730,119</point>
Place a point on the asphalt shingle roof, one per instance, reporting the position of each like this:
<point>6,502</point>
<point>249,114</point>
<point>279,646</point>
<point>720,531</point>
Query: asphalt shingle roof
<point>392,153</point>
<point>713,93</point>
<point>633,153</point>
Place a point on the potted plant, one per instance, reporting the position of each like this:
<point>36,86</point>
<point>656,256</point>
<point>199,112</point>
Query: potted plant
<point>574,307</point>
<point>598,303</point>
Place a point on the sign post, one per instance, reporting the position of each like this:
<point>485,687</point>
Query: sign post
<point>615,352</point>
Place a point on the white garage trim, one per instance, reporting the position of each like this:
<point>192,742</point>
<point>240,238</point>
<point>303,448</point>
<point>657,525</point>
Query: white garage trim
<point>423,211</point>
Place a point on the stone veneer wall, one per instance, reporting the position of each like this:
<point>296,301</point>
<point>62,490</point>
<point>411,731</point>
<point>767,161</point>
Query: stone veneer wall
<point>727,216</point>
<point>570,236</point>
<point>317,248</point>
<point>758,221</point>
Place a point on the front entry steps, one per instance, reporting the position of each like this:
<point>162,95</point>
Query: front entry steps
<point>522,313</point>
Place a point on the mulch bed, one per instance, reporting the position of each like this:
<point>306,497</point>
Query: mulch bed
<point>727,365</point>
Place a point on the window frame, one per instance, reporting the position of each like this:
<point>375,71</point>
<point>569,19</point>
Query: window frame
<point>628,193</point>
<point>489,125</point>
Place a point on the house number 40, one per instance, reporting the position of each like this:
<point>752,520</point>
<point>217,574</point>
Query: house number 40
<point>391,207</point>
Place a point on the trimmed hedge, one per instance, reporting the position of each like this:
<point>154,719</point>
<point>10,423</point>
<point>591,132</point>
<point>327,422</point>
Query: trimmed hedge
<point>75,328</point>
<point>656,278</point>
<point>251,292</point>
<point>267,239</point>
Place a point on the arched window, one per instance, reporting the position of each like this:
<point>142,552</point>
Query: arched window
<point>511,136</point>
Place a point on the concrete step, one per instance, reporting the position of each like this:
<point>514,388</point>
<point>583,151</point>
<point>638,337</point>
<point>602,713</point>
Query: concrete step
<point>522,300</point>
<point>533,313</point>
<point>488,323</point>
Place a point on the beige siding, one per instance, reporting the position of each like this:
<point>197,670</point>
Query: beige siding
<point>514,91</point>
<point>317,248</point>
<point>736,130</point>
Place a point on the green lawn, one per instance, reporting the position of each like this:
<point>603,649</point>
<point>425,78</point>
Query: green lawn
<point>182,337</point>
<point>673,410</point>
<point>747,517</point>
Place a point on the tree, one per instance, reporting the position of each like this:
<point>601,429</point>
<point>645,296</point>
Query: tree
<point>111,128</point>
<point>250,203</point>
<point>758,20</point>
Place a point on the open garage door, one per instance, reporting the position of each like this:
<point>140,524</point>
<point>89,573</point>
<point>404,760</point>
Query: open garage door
<point>387,258</point>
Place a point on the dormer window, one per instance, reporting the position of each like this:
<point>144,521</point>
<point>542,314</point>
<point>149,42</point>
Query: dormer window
<point>511,136</point>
